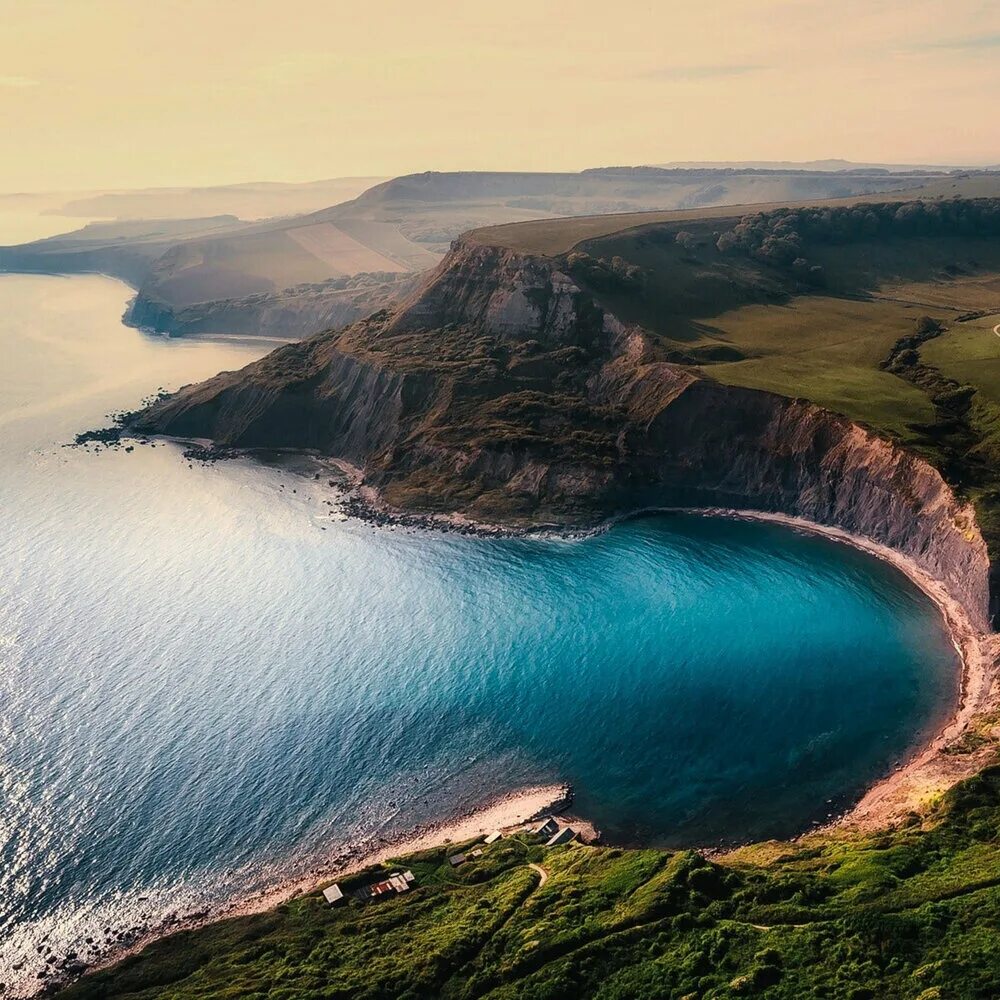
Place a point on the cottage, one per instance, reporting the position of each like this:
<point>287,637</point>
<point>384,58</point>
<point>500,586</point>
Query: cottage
<point>397,882</point>
<point>456,859</point>
<point>564,836</point>
<point>548,828</point>
<point>493,837</point>
<point>334,895</point>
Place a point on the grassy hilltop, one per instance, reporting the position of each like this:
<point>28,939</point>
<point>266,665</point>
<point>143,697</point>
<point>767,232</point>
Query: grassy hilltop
<point>297,273</point>
<point>906,914</point>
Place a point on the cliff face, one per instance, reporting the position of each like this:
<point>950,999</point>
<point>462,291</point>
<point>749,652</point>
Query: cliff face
<point>711,445</point>
<point>304,395</point>
<point>502,391</point>
<point>504,294</point>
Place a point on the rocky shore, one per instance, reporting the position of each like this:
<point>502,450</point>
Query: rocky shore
<point>508,812</point>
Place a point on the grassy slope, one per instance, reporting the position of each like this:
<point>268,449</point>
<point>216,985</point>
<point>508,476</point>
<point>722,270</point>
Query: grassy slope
<point>829,348</point>
<point>907,914</point>
<point>970,353</point>
<point>552,237</point>
<point>761,332</point>
<point>823,346</point>
<point>837,369</point>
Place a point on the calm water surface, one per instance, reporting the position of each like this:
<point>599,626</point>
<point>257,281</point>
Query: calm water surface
<point>199,685</point>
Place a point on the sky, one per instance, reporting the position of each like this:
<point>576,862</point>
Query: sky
<point>101,94</point>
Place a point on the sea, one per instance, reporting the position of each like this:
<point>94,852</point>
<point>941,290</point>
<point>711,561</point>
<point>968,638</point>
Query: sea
<point>210,679</point>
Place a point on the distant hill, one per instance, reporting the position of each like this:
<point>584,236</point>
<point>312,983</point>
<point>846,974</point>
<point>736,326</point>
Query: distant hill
<point>812,166</point>
<point>233,275</point>
<point>254,200</point>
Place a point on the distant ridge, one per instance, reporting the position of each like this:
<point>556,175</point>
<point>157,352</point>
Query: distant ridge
<point>826,166</point>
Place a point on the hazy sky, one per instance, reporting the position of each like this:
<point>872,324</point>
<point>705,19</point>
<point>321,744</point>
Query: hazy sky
<point>105,93</point>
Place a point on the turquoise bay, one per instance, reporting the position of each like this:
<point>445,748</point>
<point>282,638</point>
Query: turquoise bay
<point>203,679</point>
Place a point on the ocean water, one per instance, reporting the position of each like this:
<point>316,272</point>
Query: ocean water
<point>204,680</point>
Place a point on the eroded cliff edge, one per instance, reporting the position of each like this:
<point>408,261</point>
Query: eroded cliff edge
<point>503,391</point>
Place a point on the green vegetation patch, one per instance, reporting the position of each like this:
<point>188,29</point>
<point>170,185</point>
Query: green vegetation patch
<point>909,913</point>
<point>827,350</point>
<point>970,353</point>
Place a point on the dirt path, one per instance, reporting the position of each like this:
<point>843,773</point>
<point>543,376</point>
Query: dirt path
<point>541,871</point>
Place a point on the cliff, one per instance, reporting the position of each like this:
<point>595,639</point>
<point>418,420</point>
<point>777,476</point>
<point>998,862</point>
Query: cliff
<point>504,391</point>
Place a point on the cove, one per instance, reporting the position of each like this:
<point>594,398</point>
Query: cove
<point>203,677</point>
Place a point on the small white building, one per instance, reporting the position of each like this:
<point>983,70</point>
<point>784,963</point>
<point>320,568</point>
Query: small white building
<point>334,895</point>
<point>493,837</point>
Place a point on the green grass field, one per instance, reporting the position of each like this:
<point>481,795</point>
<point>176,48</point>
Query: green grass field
<point>970,352</point>
<point>827,350</point>
<point>908,915</point>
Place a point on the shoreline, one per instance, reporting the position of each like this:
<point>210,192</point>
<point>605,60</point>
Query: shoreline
<point>925,772</point>
<point>928,770</point>
<point>508,812</point>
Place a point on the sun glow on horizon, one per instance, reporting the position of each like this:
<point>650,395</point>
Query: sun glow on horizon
<point>116,94</point>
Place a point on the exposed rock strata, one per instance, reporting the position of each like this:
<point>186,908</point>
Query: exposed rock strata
<point>562,413</point>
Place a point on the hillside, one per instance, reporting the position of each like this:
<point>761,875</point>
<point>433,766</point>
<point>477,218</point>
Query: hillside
<point>553,237</point>
<point>124,249</point>
<point>250,200</point>
<point>525,388</point>
<point>907,914</point>
<point>397,228</point>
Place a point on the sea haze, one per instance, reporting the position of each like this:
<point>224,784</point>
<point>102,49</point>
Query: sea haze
<point>205,680</point>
